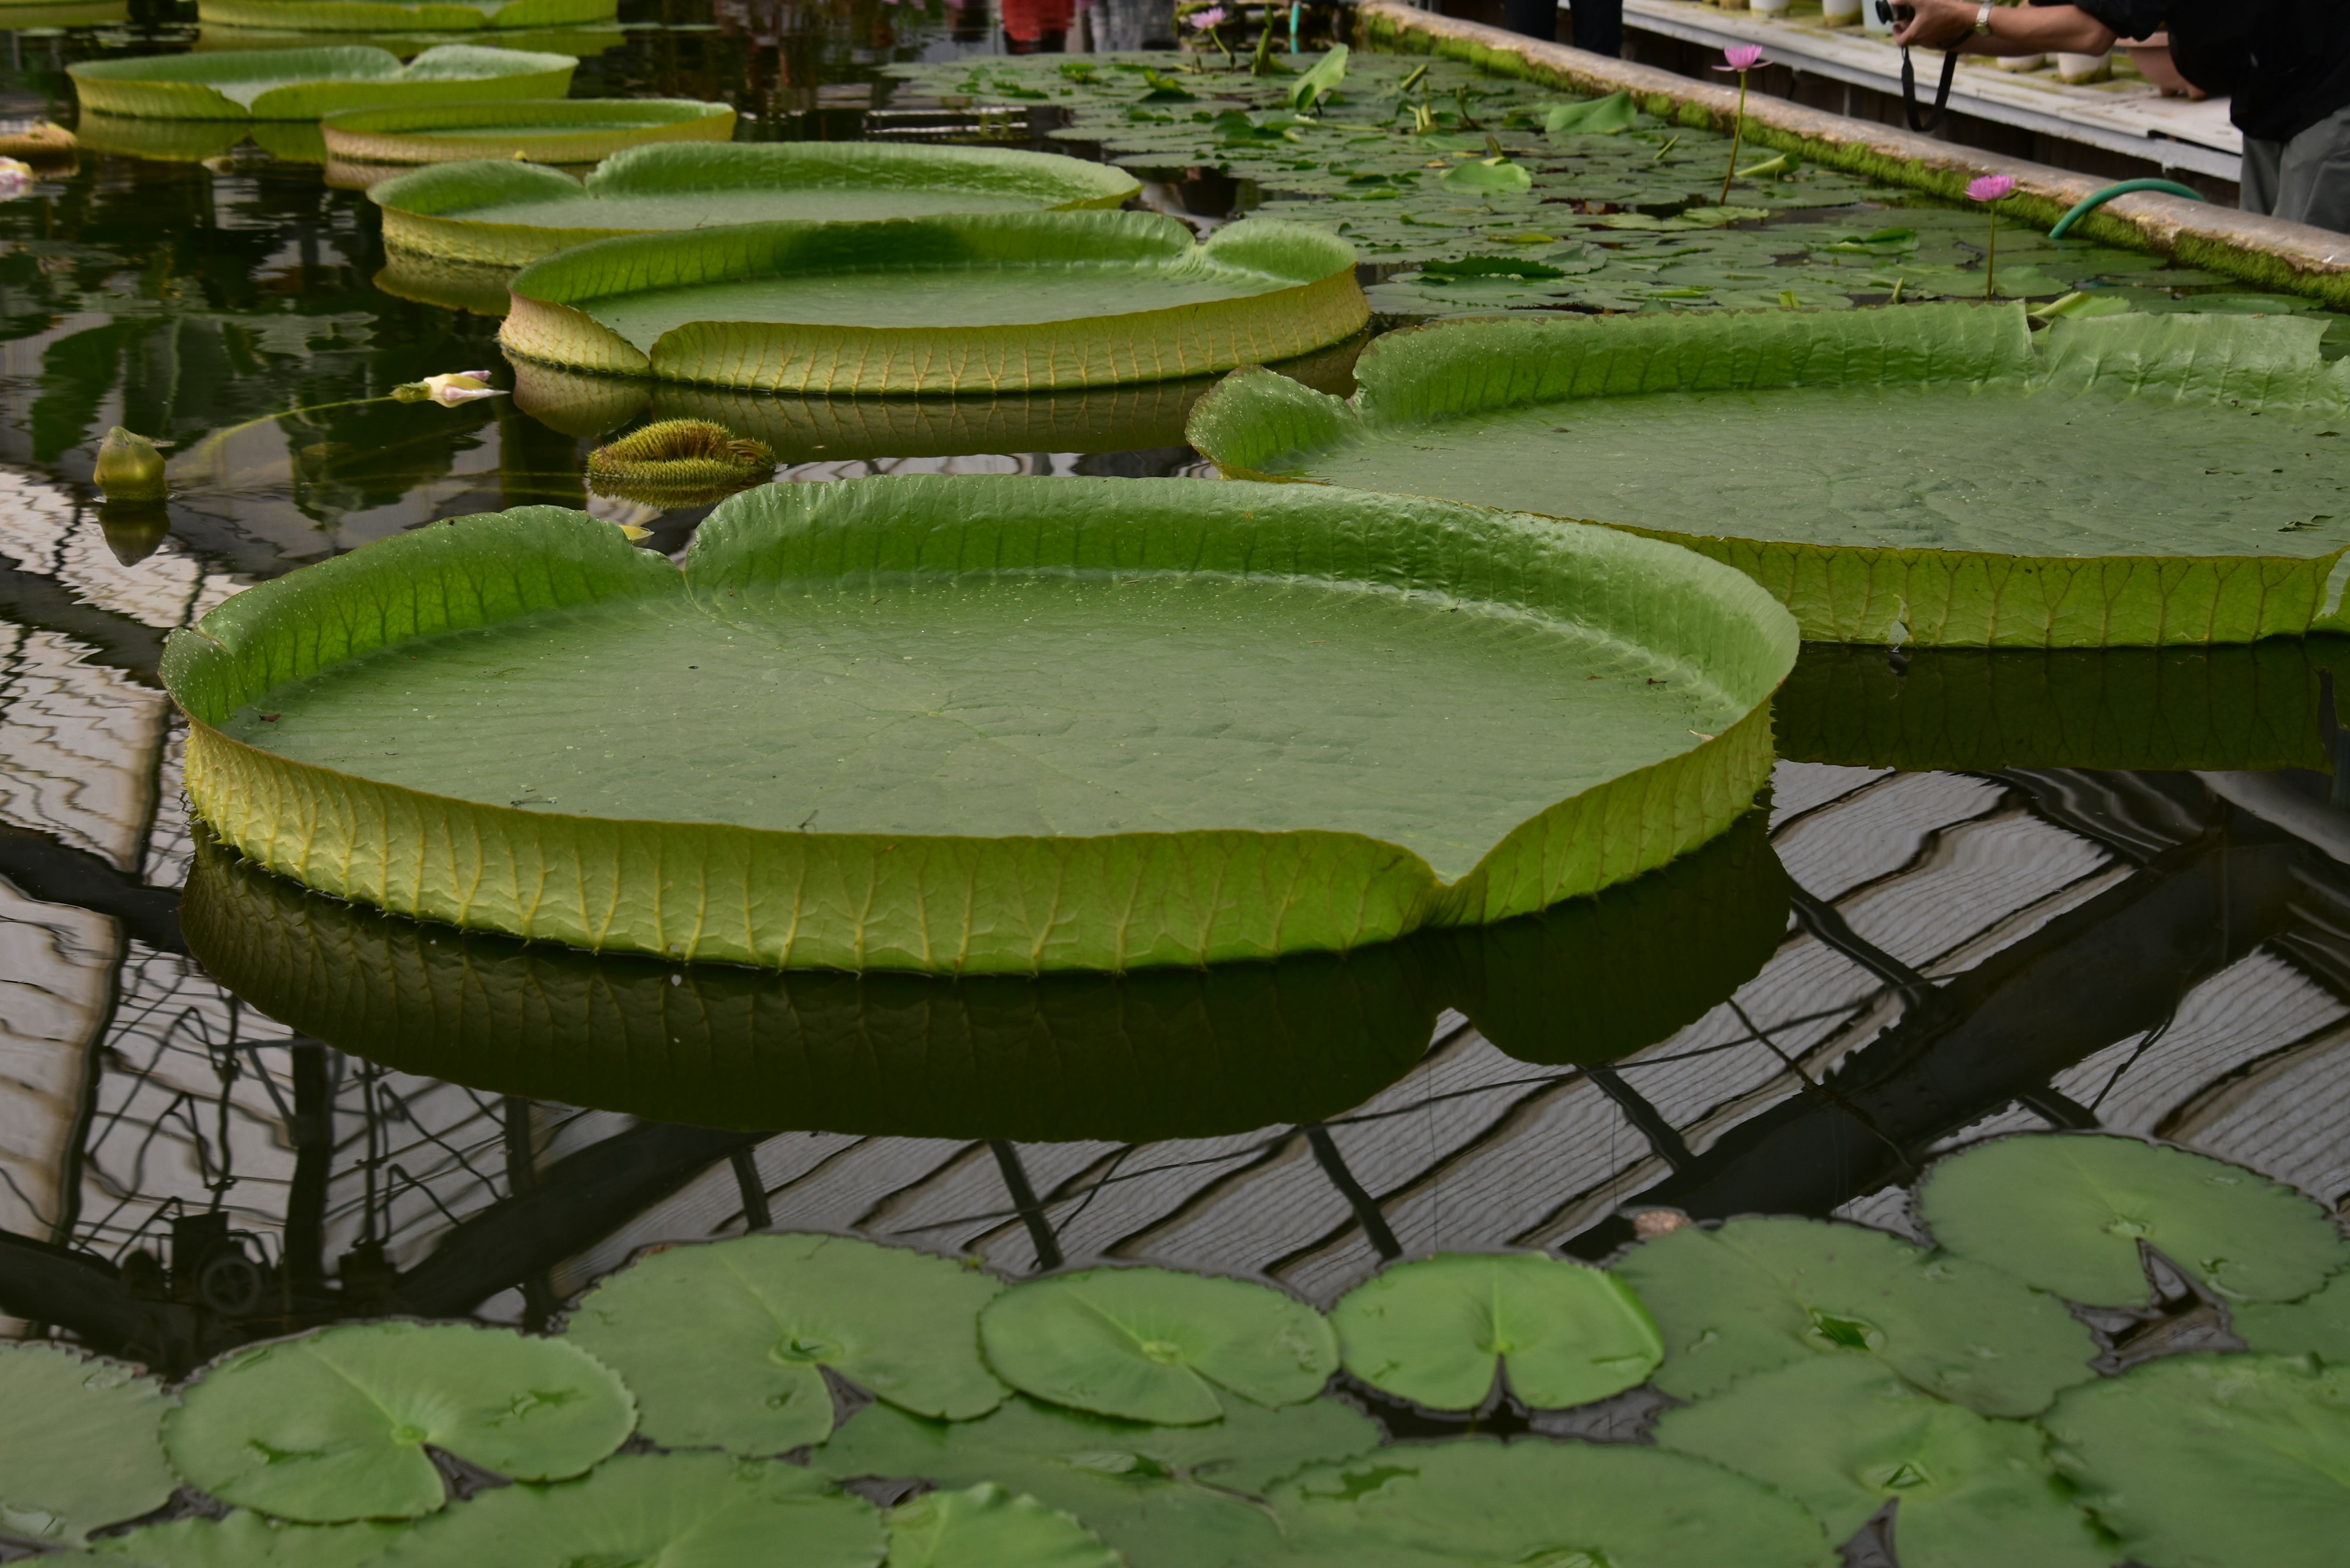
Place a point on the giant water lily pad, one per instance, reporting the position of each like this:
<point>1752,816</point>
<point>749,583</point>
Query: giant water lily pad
<point>243,1538</point>
<point>1167,1497</point>
<point>1758,1293</point>
<point>1844,1435</point>
<point>1438,1332</point>
<point>676,1510</point>
<point>334,1425</point>
<point>1534,1500</point>
<point>985,724</point>
<point>2213,1460</point>
<point>507,213</point>
<point>78,1443</point>
<point>391,16</point>
<point>305,84</point>
<point>986,1527</point>
<point>2069,1213</point>
<point>531,130</point>
<point>1151,1345</point>
<point>1916,475</point>
<point>723,1343</point>
<point>994,302</point>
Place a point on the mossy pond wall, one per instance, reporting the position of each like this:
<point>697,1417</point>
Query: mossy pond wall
<point>2075,899</point>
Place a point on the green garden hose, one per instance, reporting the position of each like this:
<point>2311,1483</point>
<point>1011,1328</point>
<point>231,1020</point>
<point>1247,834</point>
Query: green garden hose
<point>2168,187</point>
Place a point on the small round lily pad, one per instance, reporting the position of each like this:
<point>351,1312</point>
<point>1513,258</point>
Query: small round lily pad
<point>2067,1213</point>
<point>985,1526</point>
<point>333,1425</point>
<point>78,1443</point>
<point>1843,1435</point>
<point>1758,1293</point>
<point>2318,1324</point>
<point>2213,1460</point>
<point>1435,1331</point>
<point>675,1511</point>
<point>722,1343</point>
<point>1537,1501</point>
<point>1151,1345</point>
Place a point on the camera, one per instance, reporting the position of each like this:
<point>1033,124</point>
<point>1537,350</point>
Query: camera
<point>1894,15</point>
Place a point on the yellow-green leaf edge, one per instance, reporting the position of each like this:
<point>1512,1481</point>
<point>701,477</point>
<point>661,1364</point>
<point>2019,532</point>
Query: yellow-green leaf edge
<point>385,16</point>
<point>411,134</point>
<point>317,81</point>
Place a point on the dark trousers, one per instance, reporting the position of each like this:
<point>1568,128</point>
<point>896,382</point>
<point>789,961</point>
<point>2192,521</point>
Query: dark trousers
<point>1599,24</point>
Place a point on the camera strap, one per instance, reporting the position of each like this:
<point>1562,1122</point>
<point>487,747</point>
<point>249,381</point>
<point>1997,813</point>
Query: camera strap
<point>1923,123</point>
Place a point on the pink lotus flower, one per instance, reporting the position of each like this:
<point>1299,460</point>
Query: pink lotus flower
<point>1742,57</point>
<point>1212,17</point>
<point>1990,187</point>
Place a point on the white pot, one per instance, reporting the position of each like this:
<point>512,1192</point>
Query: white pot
<point>1840,12</point>
<point>2084,67</point>
<point>1768,7</point>
<point>2021,62</point>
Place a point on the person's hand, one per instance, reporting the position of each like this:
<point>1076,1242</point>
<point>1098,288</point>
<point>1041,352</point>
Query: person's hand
<point>1938,23</point>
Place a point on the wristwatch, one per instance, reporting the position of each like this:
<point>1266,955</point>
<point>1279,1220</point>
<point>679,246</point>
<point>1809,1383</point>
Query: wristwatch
<point>1982,21</point>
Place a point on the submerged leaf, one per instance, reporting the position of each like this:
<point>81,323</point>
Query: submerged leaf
<point>691,1510</point>
<point>78,1443</point>
<point>1535,1500</point>
<point>2213,1460</point>
<point>2069,1213</point>
<point>1758,1293</point>
<point>986,1527</point>
<point>1166,1496</point>
<point>1151,1345</point>
<point>1435,1331</point>
<point>333,1425</point>
<point>1843,1435</point>
<point>721,1342</point>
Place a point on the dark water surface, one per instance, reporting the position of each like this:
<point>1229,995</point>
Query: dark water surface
<point>1991,892</point>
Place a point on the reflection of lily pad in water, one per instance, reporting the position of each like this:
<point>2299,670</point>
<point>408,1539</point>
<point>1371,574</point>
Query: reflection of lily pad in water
<point>452,286</point>
<point>158,140</point>
<point>532,132</point>
<point>967,303</point>
<point>389,16</point>
<point>506,213</point>
<point>78,1443</point>
<point>580,43</point>
<point>1758,1293</point>
<point>306,84</point>
<point>1151,1345</point>
<point>1927,475</point>
<point>1534,1500</point>
<point>1439,1330</point>
<point>2070,1214</point>
<point>334,1426</point>
<point>1844,1435</point>
<point>2213,1459</point>
<point>1167,1497</point>
<point>722,1344</point>
<point>2256,706</point>
<point>1082,844</point>
<point>708,1509</point>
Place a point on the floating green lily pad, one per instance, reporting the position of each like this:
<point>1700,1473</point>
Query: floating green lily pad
<point>722,1343</point>
<point>306,84</point>
<point>1474,1500</point>
<point>243,1538</point>
<point>2254,706</point>
<point>2213,1460</point>
<point>689,1511</point>
<point>2068,1213</point>
<point>533,130</point>
<point>1167,1497</point>
<point>389,16</point>
<point>1439,1331</point>
<point>1263,753</point>
<point>1758,1293</point>
<point>994,302</point>
<point>1151,1345</point>
<point>507,213</point>
<point>1854,476</point>
<point>984,1526</point>
<point>333,1425</point>
<point>2317,1324</point>
<point>78,1443</point>
<point>1844,1435</point>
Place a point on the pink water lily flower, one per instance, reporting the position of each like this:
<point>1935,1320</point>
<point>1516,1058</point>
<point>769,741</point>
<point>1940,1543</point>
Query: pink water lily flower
<point>448,389</point>
<point>1203,20</point>
<point>1990,187</point>
<point>1742,57</point>
<point>16,178</point>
